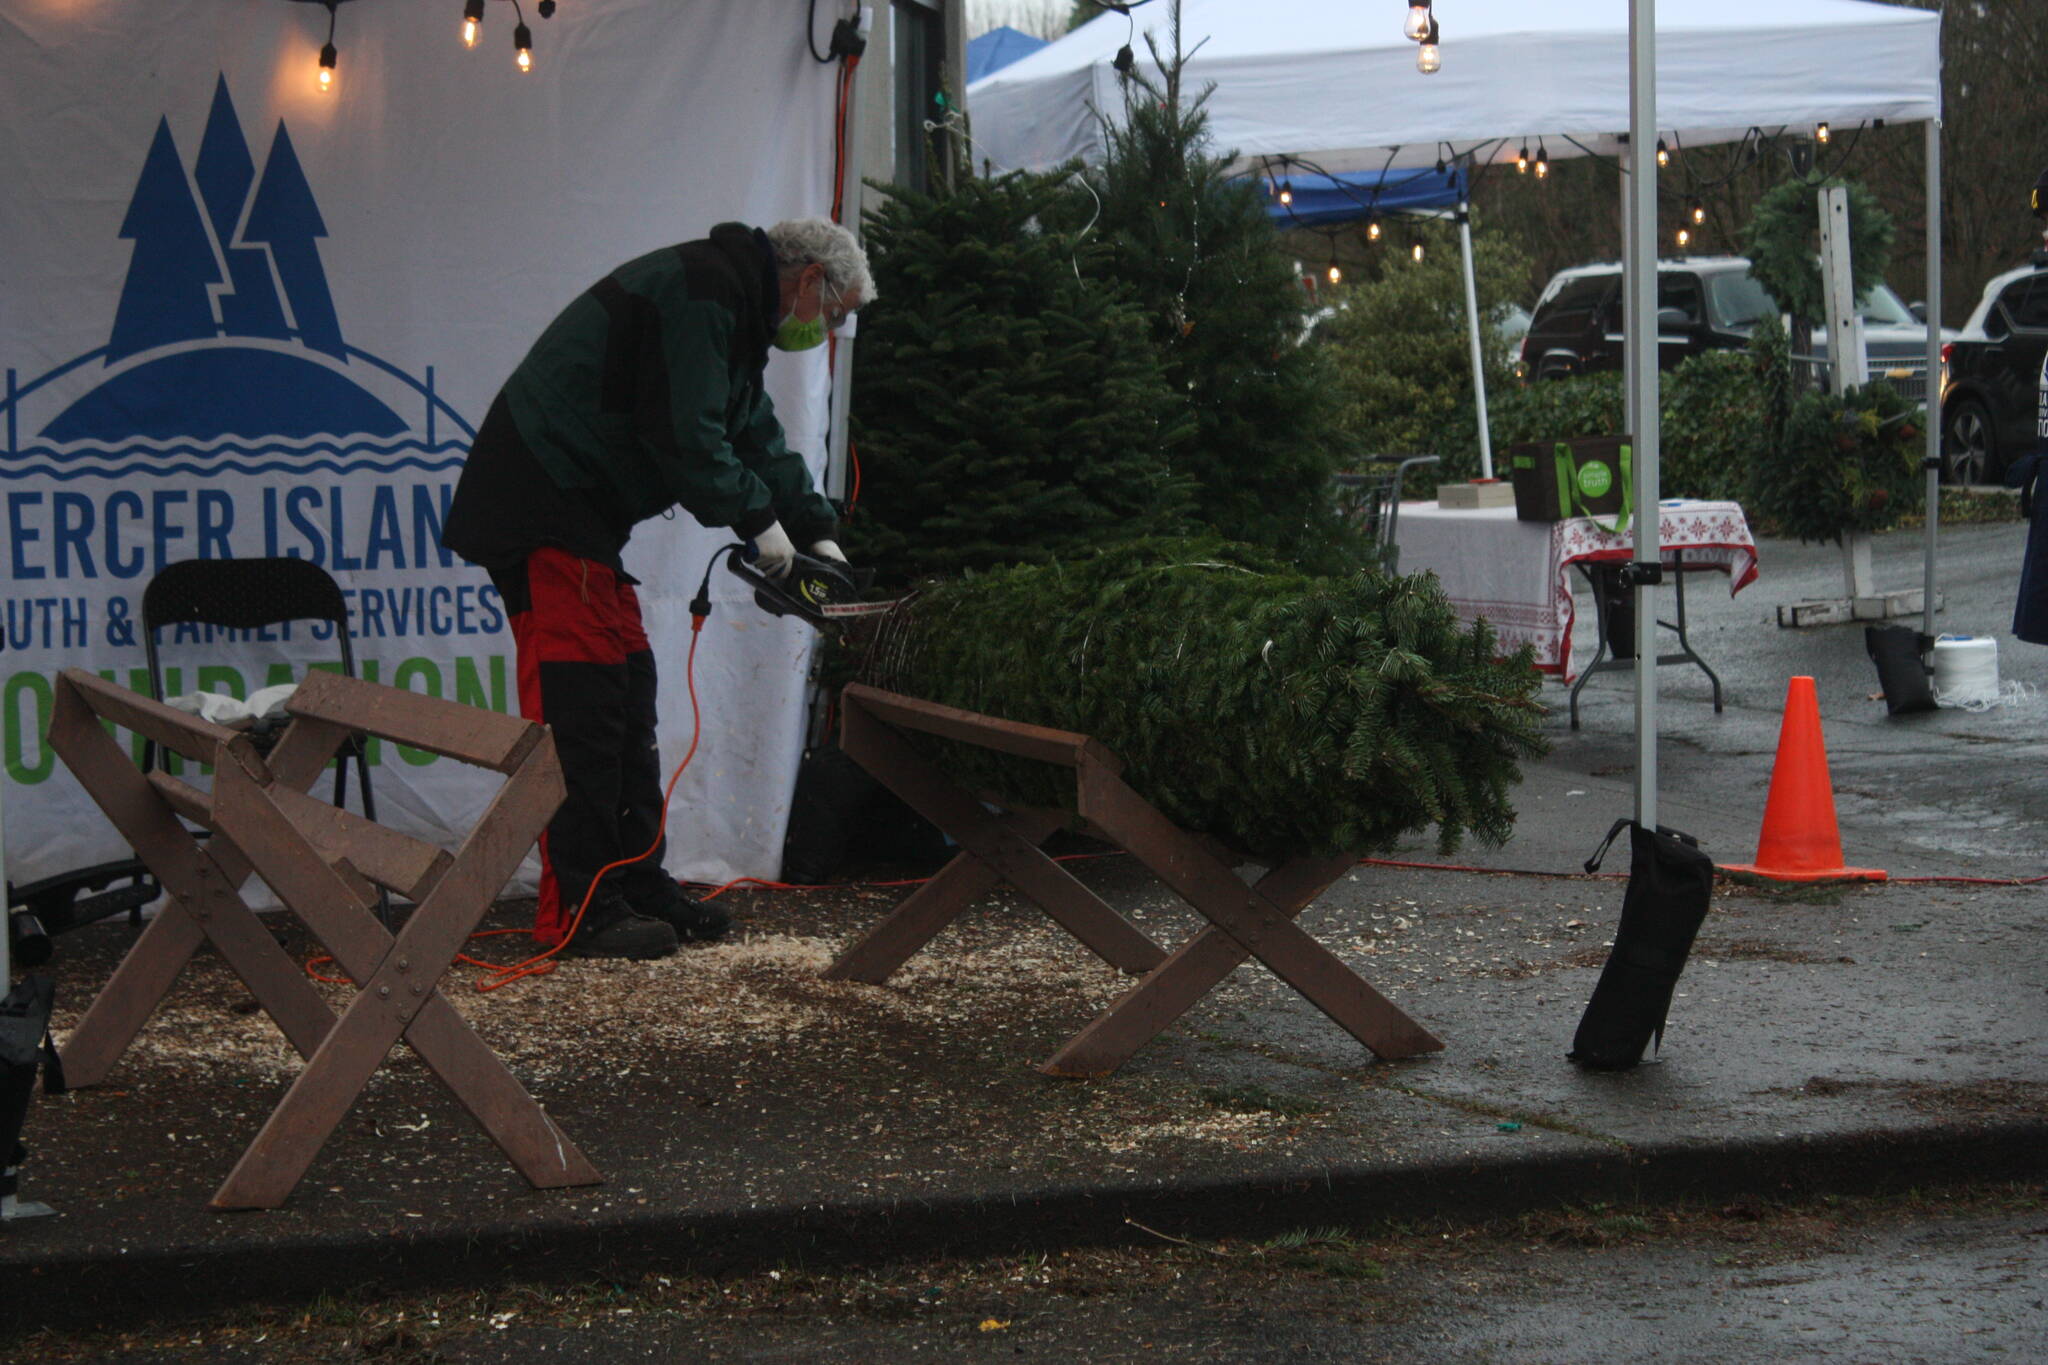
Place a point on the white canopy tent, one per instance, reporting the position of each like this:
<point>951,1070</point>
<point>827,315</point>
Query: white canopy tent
<point>1334,83</point>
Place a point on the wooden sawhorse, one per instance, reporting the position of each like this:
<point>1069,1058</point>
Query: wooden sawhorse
<point>1244,921</point>
<point>324,864</point>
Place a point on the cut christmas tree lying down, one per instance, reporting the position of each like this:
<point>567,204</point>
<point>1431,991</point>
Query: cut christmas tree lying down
<point>1279,713</point>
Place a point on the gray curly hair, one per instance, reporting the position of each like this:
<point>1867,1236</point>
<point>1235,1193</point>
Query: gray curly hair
<point>819,241</point>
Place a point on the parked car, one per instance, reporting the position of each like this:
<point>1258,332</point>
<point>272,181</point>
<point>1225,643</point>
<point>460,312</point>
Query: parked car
<point>1991,376</point>
<point>1704,303</point>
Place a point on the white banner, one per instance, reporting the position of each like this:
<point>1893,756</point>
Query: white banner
<point>242,316</point>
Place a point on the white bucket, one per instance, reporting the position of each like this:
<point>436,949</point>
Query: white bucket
<point>1966,670</point>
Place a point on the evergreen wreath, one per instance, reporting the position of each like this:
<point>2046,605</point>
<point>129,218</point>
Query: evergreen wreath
<point>1832,466</point>
<point>1783,236</point>
<point>1277,712</point>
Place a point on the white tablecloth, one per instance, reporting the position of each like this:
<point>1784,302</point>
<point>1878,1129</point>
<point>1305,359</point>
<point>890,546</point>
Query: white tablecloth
<point>1516,573</point>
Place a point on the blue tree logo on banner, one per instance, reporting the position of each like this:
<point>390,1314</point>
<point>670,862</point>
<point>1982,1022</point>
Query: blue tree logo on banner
<point>226,353</point>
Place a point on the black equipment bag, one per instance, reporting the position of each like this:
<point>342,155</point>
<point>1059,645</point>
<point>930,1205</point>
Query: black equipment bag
<point>1617,609</point>
<point>1669,883</point>
<point>841,814</point>
<point>1900,672</point>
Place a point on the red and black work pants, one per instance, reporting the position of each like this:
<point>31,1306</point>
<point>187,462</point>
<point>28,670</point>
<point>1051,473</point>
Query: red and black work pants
<point>585,670</point>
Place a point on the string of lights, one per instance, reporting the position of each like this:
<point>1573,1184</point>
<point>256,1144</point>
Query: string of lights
<point>1421,27</point>
<point>1366,198</point>
<point>327,72</point>
<point>1692,193</point>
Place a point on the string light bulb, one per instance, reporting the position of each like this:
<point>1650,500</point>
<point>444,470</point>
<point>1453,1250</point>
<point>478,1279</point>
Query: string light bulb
<point>1820,132</point>
<point>1542,161</point>
<point>1336,274</point>
<point>1663,153</point>
<point>472,21</point>
<point>522,43</point>
<point>1286,193</point>
<point>325,73</point>
<point>1430,58</point>
<point>1522,160</point>
<point>1372,230</point>
<point>1699,213</point>
<point>1416,30</point>
<point>1415,251</point>
<point>1684,238</point>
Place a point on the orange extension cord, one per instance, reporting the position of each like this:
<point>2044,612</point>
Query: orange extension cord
<point>504,974</point>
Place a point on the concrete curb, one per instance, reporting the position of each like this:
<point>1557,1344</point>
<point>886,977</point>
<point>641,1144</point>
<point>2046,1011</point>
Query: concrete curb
<point>132,1285</point>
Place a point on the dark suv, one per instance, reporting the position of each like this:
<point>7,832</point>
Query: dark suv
<point>1704,303</point>
<point>1991,378</point>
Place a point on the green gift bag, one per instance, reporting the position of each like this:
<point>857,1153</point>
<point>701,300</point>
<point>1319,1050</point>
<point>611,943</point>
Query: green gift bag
<point>1590,476</point>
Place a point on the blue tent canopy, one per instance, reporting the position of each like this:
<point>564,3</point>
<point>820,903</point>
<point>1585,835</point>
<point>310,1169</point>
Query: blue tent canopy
<point>1323,199</point>
<point>996,49</point>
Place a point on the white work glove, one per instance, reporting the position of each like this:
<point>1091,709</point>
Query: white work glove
<point>828,549</point>
<point>774,553</point>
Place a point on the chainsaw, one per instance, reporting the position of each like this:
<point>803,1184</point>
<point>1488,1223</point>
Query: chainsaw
<point>810,586</point>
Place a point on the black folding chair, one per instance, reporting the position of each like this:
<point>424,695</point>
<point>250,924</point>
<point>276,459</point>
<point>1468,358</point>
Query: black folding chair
<point>249,594</point>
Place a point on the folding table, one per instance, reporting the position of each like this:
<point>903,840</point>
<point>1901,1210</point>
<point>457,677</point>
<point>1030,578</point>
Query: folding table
<point>1517,574</point>
<point>1244,921</point>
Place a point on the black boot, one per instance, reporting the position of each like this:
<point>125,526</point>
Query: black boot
<point>692,920</point>
<point>611,929</point>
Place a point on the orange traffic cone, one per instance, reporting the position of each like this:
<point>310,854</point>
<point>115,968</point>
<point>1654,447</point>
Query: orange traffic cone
<point>1800,840</point>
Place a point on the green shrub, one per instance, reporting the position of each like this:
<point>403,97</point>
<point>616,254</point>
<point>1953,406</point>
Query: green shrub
<point>1829,466</point>
<point>1713,425</point>
<point>1848,464</point>
<point>1555,410</point>
<point>1401,351</point>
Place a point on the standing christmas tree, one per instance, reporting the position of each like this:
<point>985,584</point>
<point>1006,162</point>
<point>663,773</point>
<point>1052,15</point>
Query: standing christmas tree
<point>1223,301</point>
<point>1009,406</point>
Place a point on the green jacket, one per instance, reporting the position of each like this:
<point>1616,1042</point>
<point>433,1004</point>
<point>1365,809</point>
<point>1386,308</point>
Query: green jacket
<point>644,394</point>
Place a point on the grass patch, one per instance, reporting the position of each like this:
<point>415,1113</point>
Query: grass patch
<point>1256,1099</point>
<point>1332,1252</point>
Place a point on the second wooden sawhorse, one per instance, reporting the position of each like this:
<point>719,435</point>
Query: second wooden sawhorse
<point>1244,921</point>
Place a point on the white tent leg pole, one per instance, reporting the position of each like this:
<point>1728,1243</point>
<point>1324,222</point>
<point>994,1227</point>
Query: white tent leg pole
<point>1933,420</point>
<point>1640,253</point>
<point>1472,329</point>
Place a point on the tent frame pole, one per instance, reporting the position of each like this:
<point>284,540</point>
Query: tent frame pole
<point>1472,331</point>
<point>1932,460</point>
<point>1640,256</point>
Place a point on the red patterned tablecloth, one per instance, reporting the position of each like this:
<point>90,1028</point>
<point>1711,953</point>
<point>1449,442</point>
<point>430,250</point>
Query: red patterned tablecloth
<point>1517,574</point>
